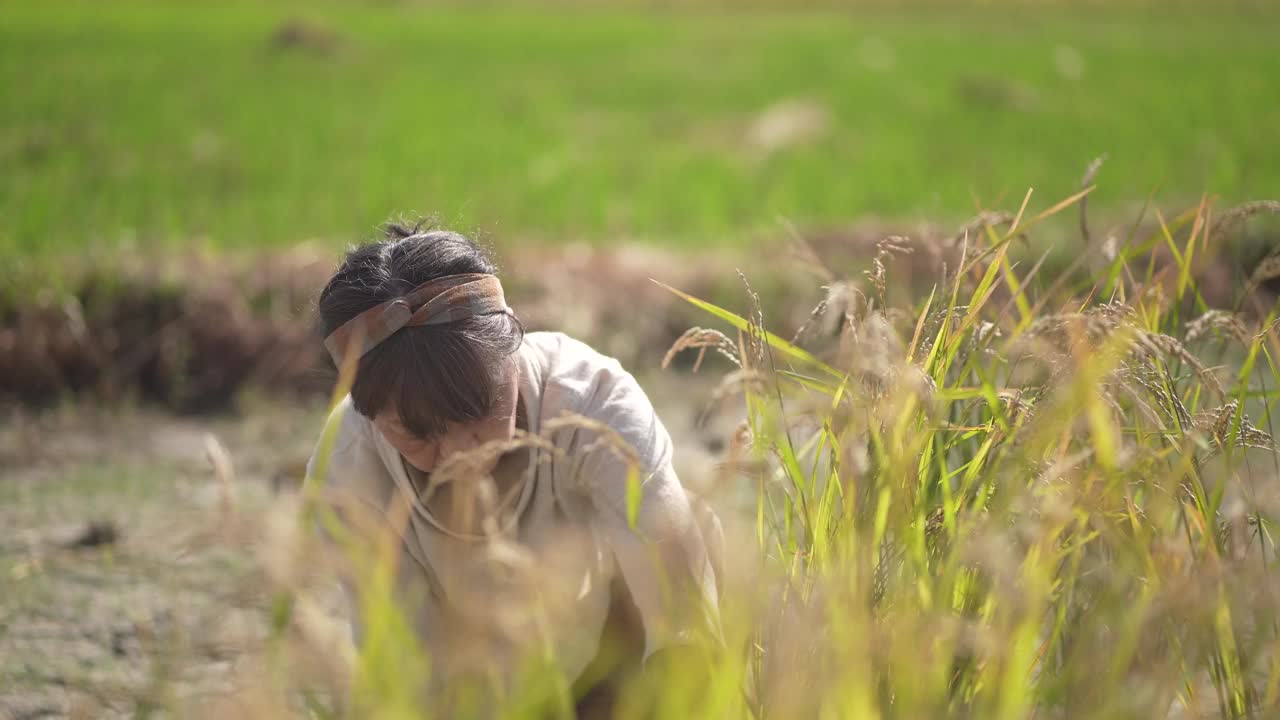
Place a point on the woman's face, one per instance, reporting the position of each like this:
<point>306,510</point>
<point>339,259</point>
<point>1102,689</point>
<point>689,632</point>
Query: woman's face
<point>426,454</point>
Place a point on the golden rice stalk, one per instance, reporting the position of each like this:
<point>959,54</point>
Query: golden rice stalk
<point>933,323</point>
<point>1242,212</point>
<point>1143,406</point>
<point>474,467</point>
<point>607,438</point>
<point>1017,406</point>
<point>871,352</point>
<point>757,346</point>
<point>1217,424</point>
<point>819,311</point>
<point>1227,323</point>
<point>1154,390</point>
<point>1184,416</point>
<point>886,249</point>
<point>982,220</point>
<point>457,465</point>
<point>838,306</point>
<point>1097,322</point>
<point>1268,269</point>
<point>738,458</point>
<point>1159,343</point>
<point>702,339</point>
<point>1090,174</point>
<point>1117,412</point>
<point>1103,320</point>
<point>1268,330</point>
<point>225,474</point>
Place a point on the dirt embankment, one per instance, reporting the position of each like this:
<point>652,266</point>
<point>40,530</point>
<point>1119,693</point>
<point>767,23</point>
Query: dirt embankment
<point>189,332</point>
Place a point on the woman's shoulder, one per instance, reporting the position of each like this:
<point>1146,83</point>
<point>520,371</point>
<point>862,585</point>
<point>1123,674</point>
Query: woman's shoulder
<point>561,350</point>
<point>346,422</point>
<point>580,380</point>
<point>345,439</point>
<point>568,365</point>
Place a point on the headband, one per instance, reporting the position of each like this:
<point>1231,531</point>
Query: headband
<point>440,301</point>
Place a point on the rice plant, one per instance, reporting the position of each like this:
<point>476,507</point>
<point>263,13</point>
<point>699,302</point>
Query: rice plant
<point>1021,497</point>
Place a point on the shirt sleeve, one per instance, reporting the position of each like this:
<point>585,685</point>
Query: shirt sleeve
<point>658,548</point>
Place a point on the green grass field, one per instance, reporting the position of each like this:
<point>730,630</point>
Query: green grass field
<point>176,122</point>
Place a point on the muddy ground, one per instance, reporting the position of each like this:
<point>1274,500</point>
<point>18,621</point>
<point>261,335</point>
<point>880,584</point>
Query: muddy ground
<point>119,597</point>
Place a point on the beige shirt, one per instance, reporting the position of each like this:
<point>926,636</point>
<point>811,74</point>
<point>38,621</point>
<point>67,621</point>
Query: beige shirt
<point>540,586</point>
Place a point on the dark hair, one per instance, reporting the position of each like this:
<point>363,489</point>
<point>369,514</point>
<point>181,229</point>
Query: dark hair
<point>435,375</point>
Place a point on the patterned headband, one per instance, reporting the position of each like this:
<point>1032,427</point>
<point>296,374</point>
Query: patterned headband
<point>443,300</point>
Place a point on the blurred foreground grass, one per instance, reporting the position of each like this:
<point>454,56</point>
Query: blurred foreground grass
<point>248,125</point>
<point>1021,495</point>
<point>1004,500</point>
<point>1000,502</point>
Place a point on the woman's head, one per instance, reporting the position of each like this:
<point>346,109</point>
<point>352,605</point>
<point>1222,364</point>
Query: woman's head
<point>424,384</point>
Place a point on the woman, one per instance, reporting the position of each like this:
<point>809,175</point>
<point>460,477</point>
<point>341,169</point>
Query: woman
<point>512,548</point>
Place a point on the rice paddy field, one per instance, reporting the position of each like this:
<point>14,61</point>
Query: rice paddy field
<point>254,125</point>
<point>989,425</point>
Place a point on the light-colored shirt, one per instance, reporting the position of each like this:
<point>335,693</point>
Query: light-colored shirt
<point>541,586</point>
